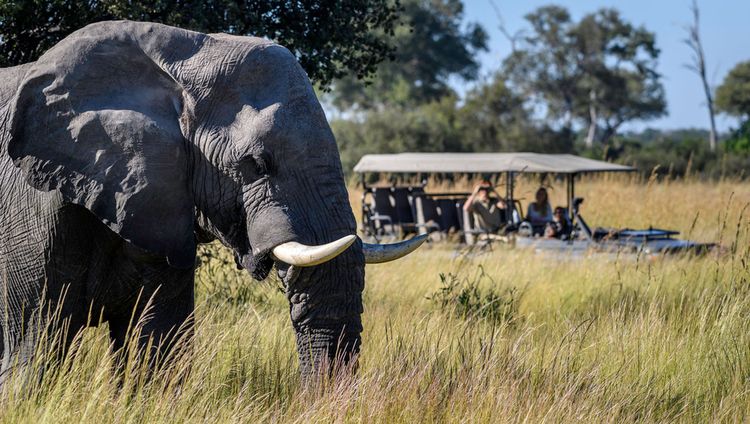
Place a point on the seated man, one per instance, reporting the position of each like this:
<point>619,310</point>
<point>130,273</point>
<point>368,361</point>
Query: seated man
<point>559,227</point>
<point>489,214</point>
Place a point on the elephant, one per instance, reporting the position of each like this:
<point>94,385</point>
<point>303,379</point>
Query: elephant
<point>127,144</point>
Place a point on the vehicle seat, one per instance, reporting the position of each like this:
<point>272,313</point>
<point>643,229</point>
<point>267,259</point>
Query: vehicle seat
<point>447,210</point>
<point>401,206</point>
<point>423,210</point>
<point>430,210</point>
<point>378,215</point>
<point>381,202</point>
<point>468,228</point>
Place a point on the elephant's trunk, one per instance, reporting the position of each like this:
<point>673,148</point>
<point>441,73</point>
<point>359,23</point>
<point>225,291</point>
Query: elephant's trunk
<point>315,226</point>
<point>325,307</point>
<point>326,350</point>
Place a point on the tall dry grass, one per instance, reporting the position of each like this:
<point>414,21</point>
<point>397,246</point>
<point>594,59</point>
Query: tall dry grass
<point>497,336</point>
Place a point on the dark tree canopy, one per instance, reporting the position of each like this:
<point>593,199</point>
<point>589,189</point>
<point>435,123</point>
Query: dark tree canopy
<point>432,45</point>
<point>331,38</point>
<point>733,95</point>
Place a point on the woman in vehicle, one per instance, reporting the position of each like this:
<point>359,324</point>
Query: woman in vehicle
<point>540,211</point>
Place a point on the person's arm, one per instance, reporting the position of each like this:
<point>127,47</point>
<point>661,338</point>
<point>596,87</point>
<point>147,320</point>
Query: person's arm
<point>469,203</point>
<point>530,215</point>
<point>500,200</point>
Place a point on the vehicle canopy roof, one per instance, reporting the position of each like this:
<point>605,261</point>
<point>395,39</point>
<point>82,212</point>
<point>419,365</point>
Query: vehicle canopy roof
<point>489,163</point>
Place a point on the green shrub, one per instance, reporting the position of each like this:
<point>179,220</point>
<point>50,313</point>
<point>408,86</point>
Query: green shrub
<point>220,282</point>
<point>468,298</point>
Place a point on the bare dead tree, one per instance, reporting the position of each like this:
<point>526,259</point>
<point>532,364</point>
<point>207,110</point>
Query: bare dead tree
<point>698,65</point>
<point>512,38</point>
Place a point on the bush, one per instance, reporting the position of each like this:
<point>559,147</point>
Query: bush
<point>678,153</point>
<point>464,298</point>
<point>739,141</point>
<point>221,282</point>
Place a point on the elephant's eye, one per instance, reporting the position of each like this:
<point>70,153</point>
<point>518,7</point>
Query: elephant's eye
<point>254,167</point>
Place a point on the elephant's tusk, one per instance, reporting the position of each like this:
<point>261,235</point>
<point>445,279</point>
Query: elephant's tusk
<point>379,253</point>
<point>298,254</point>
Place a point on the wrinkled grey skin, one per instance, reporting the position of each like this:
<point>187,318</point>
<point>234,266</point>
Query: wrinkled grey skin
<point>127,144</point>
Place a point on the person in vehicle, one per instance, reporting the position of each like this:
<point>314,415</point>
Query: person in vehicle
<point>540,212</point>
<point>489,213</point>
<point>559,227</point>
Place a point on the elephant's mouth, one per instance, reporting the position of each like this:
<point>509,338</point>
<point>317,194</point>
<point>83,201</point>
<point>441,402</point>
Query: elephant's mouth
<point>257,265</point>
<point>260,266</point>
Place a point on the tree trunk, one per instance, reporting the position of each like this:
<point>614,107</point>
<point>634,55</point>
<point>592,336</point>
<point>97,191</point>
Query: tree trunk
<point>699,67</point>
<point>592,124</point>
<point>711,113</point>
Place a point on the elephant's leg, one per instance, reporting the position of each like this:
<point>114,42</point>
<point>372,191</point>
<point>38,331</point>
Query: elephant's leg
<point>44,322</point>
<point>165,327</point>
<point>20,323</point>
<point>171,330</point>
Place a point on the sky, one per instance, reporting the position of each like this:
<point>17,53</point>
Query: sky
<point>724,29</point>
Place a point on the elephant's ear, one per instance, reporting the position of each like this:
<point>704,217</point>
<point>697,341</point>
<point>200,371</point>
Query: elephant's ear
<point>98,120</point>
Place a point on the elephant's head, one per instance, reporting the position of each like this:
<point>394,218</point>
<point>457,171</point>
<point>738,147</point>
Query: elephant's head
<point>168,136</point>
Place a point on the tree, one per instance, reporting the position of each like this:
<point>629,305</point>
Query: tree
<point>619,78</point>
<point>698,65</point>
<point>543,65</point>
<point>733,95</point>
<point>331,38</point>
<point>431,46</point>
<point>430,127</point>
<point>600,71</point>
<point>493,118</point>
<point>733,98</point>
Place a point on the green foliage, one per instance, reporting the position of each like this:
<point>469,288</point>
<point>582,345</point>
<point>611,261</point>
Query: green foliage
<point>733,95</point>
<point>220,281</point>
<point>491,118</point>
<point>430,127</point>
<point>467,298</point>
<point>331,38</point>
<point>733,98</point>
<point>739,140</point>
<point>600,71</point>
<point>676,153</point>
<point>543,68</point>
<point>432,46</point>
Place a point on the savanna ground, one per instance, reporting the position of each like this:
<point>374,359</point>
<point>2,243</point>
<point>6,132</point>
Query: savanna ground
<point>502,336</point>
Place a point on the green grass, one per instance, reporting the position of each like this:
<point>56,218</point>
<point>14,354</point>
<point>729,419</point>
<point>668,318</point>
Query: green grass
<point>504,336</point>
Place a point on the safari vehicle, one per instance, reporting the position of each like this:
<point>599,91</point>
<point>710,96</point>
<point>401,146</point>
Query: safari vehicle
<point>398,210</point>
